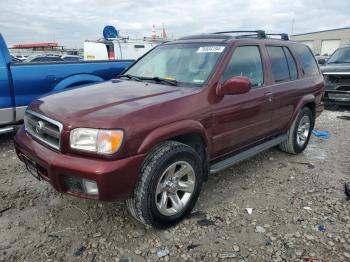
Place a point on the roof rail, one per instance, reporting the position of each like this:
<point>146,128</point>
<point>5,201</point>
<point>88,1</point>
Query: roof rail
<point>284,36</point>
<point>259,33</point>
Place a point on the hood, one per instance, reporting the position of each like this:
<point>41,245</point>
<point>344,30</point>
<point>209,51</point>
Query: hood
<point>335,68</point>
<point>101,104</point>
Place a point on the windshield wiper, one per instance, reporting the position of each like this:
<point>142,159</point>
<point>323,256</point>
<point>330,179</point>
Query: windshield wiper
<point>160,79</point>
<point>136,78</point>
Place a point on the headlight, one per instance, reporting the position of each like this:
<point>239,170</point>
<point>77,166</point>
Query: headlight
<point>96,140</point>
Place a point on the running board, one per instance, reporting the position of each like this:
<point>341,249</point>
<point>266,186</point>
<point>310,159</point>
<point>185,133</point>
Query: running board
<point>230,161</point>
<point>4,130</point>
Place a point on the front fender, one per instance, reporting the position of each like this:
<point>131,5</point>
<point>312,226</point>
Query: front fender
<point>172,130</point>
<point>80,78</point>
<point>303,101</point>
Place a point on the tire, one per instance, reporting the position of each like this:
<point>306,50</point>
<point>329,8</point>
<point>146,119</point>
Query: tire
<point>294,144</point>
<point>155,201</point>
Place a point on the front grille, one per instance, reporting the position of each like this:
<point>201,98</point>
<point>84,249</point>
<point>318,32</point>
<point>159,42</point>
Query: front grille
<point>337,81</point>
<point>344,88</point>
<point>338,78</point>
<point>43,128</point>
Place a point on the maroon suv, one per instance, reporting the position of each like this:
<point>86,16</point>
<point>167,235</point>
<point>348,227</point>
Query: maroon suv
<point>188,108</point>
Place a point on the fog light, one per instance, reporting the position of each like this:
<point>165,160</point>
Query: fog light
<point>73,184</point>
<point>90,187</point>
<point>81,185</point>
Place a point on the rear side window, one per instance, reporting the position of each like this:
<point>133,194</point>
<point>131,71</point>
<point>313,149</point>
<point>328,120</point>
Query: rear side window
<point>246,61</point>
<point>307,60</point>
<point>291,64</point>
<point>279,65</point>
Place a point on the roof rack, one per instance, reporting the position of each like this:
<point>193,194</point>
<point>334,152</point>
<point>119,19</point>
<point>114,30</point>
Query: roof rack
<point>257,33</point>
<point>284,36</point>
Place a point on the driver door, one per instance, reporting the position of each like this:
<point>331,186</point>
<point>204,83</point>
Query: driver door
<point>240,120</point>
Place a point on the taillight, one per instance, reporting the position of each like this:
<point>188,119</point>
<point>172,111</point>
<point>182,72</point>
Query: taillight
<point>111,55</point>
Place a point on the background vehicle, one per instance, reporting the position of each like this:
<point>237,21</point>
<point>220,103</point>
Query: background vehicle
<point>70,58</point>
<point>116,49</point>
<point>21,57</point>
<point>321,59</point>
<point>336,72</point>
<point>187,109</point>
<point>20,83</point>
<point>15,59</point>
<point>43,59</point>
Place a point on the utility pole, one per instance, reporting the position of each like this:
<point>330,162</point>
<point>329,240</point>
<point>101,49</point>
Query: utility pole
<point>293,21</point>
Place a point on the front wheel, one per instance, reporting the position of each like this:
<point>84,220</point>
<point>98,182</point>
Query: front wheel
<point>169,185</point>
<point>299,133</point>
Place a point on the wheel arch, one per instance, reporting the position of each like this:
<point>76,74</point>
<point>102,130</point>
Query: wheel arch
<point>188,132</point>
<point>181,131</point>
<point>76,79</point>
<point>307,101</point>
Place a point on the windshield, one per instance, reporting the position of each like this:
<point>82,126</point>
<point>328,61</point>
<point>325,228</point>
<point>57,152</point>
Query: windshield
<point>340,56</point>
<point>187,64</point>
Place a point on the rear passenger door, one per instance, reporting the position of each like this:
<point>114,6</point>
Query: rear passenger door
<point>286,91</point>
<point>240,120</point>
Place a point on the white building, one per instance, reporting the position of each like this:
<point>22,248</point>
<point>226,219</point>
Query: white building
<point>325,42</point>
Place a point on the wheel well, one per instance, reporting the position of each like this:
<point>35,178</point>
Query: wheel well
<point>312,106</point>
<point>197,143</point>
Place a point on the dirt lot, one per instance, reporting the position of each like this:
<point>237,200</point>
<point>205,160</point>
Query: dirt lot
<point>299,211</point>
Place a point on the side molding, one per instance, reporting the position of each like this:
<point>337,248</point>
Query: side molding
<point>86,78</point>
<point>174,129</point>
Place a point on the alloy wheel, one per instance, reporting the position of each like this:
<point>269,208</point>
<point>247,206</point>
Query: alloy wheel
<point>175,188</point>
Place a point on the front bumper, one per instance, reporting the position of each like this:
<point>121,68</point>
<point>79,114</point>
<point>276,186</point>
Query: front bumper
<point>336,97</point>
<point>115,179</point>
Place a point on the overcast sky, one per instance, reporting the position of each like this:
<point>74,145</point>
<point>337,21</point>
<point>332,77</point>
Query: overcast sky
<point>70,22</point>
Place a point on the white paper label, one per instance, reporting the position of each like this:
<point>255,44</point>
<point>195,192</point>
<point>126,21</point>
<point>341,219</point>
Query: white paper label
<point>210,49</point>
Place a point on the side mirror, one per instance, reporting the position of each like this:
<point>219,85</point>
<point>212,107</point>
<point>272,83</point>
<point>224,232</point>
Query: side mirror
<point>321,61</point>
<point>234,86</point>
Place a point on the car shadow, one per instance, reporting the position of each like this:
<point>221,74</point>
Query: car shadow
<point>7,139</point>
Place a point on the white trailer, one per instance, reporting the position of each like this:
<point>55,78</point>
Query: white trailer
<point>117,48</point>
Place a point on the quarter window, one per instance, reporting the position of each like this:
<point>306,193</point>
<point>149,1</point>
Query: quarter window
<point>307,59</point>
<point>246,61</point>
<point>279,65</point>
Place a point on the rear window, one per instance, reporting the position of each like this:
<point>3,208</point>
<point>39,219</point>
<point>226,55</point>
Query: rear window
<point>307,59</point>
<point>279,65</point>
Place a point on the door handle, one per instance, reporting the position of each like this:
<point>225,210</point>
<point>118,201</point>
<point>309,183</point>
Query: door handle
<point>269,96</point>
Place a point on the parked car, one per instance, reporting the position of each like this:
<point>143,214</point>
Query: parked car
<point>21,83</point>
<point>70,58</point>
<point>43,59</point>
<point>321,59</point>
<point>336,72</point>
<point>15,59</point>
<point>189,108</point>
<point>21,57</point>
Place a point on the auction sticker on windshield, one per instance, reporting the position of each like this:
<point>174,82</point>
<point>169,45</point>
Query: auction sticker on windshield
<point>210,49</point>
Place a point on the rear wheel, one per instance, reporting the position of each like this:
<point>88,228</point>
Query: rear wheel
<point>169,185</point>
<point>299,133</point>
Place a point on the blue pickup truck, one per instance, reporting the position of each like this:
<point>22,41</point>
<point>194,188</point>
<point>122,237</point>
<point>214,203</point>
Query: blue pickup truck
<point>21,83</point>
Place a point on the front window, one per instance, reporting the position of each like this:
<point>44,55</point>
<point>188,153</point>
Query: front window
<point>184,64</point>
<point>246,61</point>
<point>340,56</point>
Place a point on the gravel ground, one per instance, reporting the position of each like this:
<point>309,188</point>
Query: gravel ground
<point>299,212</point>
